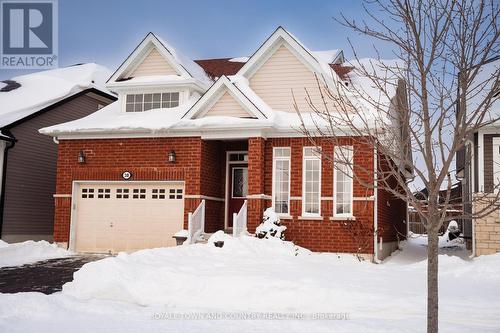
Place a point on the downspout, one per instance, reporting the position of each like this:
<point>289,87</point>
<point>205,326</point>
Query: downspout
<point>55,139</point>
<point>11,142</point>
<point>375,208</point>
<point>470,191</point>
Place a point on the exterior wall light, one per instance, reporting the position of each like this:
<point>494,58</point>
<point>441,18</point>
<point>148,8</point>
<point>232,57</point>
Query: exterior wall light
<point>81,157</point>
<point>172,157</point>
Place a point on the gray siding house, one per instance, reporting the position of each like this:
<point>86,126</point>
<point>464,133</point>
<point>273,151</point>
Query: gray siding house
<point>28,160</point>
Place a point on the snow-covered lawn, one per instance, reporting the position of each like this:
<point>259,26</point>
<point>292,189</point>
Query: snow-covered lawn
<point>16,254</point>
<point>143,291</point>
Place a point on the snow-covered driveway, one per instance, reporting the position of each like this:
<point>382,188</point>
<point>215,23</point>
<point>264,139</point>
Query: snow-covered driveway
<point>265,278</point>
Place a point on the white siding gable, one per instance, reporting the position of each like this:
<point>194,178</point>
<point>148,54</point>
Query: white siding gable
<point>153,64</point>
<point>279,75</point>
<point>227,106</point>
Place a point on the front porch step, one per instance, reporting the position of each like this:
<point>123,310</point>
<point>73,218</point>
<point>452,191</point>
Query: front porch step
<point>203,239</point>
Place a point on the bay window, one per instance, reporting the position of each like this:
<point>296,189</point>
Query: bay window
<point>281,180</point>
<point>343,181</point>
<point>311,181</point>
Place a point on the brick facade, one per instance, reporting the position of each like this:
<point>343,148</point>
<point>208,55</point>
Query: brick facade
<point>487,228</point>
<point>202,166</point>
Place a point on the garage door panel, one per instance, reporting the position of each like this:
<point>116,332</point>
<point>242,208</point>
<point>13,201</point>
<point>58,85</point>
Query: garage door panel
<point>128,217</point>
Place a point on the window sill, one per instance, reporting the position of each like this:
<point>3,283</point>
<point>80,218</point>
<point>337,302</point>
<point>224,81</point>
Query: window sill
<point>285,217</point>
<point>311,218</point>
<point>343,218</point>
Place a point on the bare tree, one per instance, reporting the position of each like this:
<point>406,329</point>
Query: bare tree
<point>406,109</point>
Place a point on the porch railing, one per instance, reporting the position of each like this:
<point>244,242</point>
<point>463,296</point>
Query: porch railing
<point>240,221</point>
<point>196,223</point>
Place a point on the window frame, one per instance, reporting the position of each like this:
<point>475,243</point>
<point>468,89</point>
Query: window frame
<point>281,158</point>
<point>152,93</point>
<point>304,159</point>
<point>350,174</point>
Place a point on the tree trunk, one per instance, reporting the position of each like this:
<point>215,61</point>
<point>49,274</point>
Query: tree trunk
<point>432,276</point>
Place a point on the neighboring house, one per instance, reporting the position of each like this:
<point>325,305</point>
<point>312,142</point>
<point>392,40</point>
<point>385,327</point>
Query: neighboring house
<point>28,160</point>
<point>235,140</point>
<point>478,168</point>
<point>453,211</point>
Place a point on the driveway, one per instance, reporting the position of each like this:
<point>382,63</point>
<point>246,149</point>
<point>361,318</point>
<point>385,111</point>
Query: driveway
<point>46,276</point>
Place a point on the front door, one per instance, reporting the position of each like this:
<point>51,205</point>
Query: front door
<point>238,189</point>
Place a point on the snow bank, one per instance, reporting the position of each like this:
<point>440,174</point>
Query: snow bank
<point>17,254</point>
<point>41,89</point>
<point>235,276</point>
<point>250,275</point>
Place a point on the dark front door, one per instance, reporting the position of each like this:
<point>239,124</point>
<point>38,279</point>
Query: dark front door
<point>238,189</point>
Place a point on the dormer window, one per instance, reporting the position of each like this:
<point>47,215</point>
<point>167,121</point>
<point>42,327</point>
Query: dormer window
<point>144,102</point>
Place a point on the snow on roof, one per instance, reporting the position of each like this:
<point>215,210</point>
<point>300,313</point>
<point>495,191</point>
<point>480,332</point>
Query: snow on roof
<point>112,119</point>
<point>2,84</point>
<point>481,87</point>
<point>328,56</point>
<point>383,72</point>
<point>239,59</point>
<point>189,65</point>
<point>42,89</point>
<point>151,80</point>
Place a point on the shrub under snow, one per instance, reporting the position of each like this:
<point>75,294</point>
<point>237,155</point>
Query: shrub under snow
<point>270,226</point>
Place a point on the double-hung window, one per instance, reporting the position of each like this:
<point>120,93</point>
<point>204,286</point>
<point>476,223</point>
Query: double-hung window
<point>281,180</point>
<point>311,181</point>
<point>343,181</point>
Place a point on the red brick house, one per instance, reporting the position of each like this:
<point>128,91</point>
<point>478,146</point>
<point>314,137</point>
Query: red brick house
<point>217,131</point>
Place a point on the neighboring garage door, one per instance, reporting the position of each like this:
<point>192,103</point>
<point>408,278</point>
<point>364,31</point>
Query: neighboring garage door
<point>127,216</point>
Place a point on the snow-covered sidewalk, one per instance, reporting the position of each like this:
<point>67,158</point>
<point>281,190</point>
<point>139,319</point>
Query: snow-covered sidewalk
<point>28,252</point>
<point>143,291</point>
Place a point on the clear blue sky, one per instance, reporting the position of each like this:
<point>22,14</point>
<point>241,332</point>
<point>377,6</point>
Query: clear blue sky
<point>106,31</point>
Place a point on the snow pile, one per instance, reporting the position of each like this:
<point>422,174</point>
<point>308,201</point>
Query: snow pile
<point>219,236</point>
<point>271,226</point>
<point>41,89</point>
<point>189,65</point>
<point>190,276</point>
<point>17,254</point>
<point>250,275</point>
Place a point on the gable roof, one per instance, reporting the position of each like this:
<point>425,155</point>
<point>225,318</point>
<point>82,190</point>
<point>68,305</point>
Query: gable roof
<point>314,61</point>
<point>223,84</point>
<point>184,66</point>
<point>215,68</point>
<point>24,95</point>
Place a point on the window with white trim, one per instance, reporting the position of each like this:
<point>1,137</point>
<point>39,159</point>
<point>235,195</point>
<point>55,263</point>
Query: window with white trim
<point>144,102</point>
<point>311,181</point>
<point>281,180</point>
<point>343,181</point>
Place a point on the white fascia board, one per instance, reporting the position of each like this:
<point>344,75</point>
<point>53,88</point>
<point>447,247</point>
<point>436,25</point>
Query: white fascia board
<point>181,84</point>
<point>215,92</point>
<point>215,132</point>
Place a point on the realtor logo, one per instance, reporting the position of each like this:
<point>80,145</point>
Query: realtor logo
<point>28,34</point>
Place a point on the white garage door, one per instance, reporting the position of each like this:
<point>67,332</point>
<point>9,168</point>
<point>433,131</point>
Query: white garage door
<point>127,216</point>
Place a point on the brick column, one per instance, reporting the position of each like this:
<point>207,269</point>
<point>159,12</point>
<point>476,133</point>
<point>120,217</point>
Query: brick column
<point>62,216</point>
<point>256,165</point>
